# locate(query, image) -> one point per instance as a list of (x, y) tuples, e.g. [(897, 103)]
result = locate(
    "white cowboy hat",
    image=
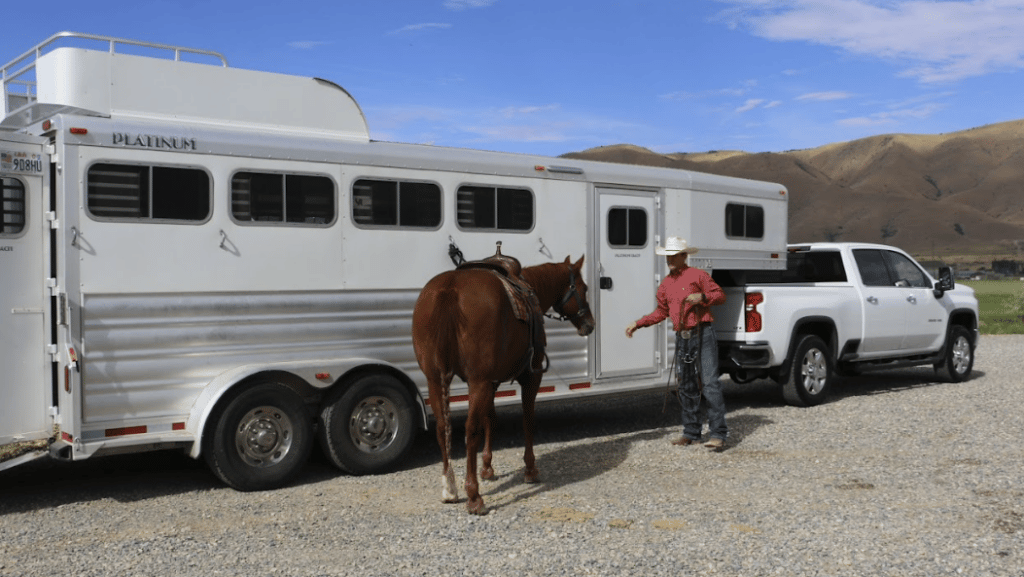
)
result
[(675, 245)]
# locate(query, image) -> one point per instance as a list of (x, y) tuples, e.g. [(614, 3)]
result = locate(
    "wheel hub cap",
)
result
[(373, 424), (264, 436)]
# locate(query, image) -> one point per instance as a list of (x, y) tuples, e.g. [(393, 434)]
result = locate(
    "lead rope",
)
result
[(668, 386)]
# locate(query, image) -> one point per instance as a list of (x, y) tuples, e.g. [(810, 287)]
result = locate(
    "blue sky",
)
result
[(550, 77)]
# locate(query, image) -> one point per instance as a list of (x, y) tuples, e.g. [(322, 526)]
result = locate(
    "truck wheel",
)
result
[(369, 427), (260, 439), (959, 355), (810, 373)]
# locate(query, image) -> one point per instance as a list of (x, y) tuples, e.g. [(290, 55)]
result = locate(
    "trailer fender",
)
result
[(318, 375)]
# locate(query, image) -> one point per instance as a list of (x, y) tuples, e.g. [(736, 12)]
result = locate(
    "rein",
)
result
[(571, 293)]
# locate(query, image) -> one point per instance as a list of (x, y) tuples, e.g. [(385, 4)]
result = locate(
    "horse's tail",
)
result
[(445, 320), (436, 323)]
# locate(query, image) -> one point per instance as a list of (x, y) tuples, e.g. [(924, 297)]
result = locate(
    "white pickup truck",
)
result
[(846, 308)]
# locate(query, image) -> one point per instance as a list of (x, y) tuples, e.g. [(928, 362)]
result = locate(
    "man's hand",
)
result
[(631, 329), (694, 298)]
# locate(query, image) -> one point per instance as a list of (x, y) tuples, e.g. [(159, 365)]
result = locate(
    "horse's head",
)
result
[(574, 306)]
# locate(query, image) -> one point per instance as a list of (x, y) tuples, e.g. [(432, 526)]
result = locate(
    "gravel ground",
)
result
[(897, 475)]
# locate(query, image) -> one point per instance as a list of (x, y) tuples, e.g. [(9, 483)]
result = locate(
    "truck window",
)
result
[(495, 208), (906, 272), (12, 207), (393, 203), (130, 192), (889, 268), (801, 267), (627, 227), (744, 221), (285, 198), (871, 265)]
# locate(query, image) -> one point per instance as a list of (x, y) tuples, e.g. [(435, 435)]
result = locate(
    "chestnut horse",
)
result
[(464, 325)]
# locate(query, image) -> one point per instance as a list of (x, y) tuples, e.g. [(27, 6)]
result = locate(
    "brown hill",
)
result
[(951, 194)]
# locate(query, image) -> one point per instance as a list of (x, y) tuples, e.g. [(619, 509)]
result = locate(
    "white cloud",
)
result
[(893, 116), (749, 105), (824, 96), (932, 40), (512, 111), (745, 87), (425, 26), (464, 4), (773, 104)]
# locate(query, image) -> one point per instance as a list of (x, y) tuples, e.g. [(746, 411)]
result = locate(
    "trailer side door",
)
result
[(25, 382), (627, 283)]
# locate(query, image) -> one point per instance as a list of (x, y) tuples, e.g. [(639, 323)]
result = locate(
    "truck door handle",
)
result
[(605, 282), (873, 300), (912, 300)]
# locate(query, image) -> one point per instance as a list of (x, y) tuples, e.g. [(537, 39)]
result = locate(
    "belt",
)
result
[(690, 333)]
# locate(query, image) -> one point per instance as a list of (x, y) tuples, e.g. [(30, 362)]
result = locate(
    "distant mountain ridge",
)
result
[(947, 194)]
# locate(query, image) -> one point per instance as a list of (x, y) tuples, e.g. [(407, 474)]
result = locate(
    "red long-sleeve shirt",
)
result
[(671, 297)]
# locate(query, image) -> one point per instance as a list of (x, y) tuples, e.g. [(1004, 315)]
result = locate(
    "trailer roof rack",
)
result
[(101, 76), (20, 87)]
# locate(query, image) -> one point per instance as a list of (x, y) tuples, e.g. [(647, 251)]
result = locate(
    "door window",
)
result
[(627, 227), (906, 272), (872, 267)]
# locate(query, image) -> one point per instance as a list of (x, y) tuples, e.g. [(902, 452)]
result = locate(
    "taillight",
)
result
[(751, 316)]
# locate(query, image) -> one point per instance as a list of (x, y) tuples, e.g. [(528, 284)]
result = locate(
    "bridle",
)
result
[(570, 293)]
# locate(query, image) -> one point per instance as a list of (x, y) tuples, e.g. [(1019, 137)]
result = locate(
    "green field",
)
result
[(1001, 306)]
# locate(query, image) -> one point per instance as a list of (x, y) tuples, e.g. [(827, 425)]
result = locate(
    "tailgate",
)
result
[(728, 316)]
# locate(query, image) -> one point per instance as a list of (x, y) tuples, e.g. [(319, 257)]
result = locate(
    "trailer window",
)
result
[(744, 221), (495, 208), (12, 207), (128, 192), (627, 227), (288, 198), (396, 203)]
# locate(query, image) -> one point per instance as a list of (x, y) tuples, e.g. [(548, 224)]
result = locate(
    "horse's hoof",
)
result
[(476, 507), (487, 474), (532, 476)]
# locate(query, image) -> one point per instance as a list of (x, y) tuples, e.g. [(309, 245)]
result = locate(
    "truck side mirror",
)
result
[(945, 282)]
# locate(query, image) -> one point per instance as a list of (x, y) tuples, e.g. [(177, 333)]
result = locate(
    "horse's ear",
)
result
[(567, 261), (579, 263)]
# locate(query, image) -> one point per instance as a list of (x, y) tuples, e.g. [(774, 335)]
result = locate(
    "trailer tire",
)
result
[(959, 358), (260, 439), (809, 377), (368, 426)]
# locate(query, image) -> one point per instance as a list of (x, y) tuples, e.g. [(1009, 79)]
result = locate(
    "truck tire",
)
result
[(959, 360), (260, 439), (809, 377), (369, 427)]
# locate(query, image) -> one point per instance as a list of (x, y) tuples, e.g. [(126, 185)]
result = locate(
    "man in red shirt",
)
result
[(685, 296)]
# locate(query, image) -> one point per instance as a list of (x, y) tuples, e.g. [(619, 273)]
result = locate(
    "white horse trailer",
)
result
[(202, 257)]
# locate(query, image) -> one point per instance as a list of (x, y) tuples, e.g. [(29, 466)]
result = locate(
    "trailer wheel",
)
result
[(959, 358), (260, 439), (369, 427), (810, 373)]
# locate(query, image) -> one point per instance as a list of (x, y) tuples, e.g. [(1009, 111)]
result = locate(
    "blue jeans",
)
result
[(690, 393)]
